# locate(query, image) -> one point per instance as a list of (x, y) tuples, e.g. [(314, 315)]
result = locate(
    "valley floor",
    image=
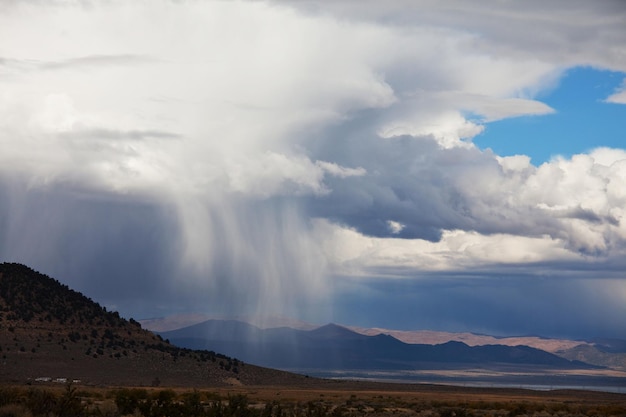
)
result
[(322, 398), (606, 380)]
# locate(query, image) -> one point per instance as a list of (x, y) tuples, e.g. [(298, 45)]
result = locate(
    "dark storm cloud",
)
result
[(428, 189), (126, 253), (499, 305), (273, 156), (121, 247), (400, 185), (587, 215)]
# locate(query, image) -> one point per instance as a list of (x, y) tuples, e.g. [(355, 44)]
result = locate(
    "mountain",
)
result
[(430, 337), (178, 321), (334, 347), (610, 345), (48, 332), (609, 353)]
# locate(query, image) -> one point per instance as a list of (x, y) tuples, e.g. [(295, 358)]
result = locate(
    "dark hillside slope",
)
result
[(48, 330)]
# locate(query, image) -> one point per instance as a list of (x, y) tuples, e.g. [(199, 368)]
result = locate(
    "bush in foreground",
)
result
[(139, 402)]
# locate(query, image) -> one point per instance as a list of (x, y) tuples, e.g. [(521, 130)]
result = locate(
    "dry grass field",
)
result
[(319, 398), (370, 397)]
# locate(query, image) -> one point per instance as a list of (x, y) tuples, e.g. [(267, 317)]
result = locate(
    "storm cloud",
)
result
[(304, 158)]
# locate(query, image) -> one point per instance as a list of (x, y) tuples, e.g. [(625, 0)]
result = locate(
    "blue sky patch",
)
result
[(582, 120)]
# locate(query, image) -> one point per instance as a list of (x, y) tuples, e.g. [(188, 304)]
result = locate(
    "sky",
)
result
[(403, 164)]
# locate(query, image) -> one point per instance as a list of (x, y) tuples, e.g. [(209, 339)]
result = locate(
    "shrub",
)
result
[(9, 395), (129, 400), (14, 410), (40, 402)]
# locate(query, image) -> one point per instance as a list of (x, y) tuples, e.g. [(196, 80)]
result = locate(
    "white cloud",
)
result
[(245, 120), (233, 80), (449, 128), (394, 227), (339, 171), (619, 96), (275, 174), (511, 212), (238, 82), (458, 251)]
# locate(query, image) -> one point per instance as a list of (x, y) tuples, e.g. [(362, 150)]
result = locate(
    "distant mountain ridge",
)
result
[(472, 339), (426, 337), (336, 347), (178, 321), (601, 352), (609, 353)]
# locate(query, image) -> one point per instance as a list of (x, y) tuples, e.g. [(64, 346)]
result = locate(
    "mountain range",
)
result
[(334, 347), (51, 332), (609, 353)]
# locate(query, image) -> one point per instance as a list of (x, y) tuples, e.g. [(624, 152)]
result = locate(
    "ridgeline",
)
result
[(49, 332)]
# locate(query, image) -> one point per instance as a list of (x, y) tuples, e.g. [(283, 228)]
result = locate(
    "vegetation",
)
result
[(69, 402), (49, 330), (46, 299)]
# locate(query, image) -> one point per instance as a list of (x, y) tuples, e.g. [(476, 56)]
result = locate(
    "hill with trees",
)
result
[(49, 332)]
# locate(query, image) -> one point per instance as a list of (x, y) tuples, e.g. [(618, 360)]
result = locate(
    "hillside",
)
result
[(334, 347), (48, 331), (597, 354)]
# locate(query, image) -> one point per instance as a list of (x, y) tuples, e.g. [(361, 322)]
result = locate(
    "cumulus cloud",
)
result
[(262, 148), (570, 205)]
